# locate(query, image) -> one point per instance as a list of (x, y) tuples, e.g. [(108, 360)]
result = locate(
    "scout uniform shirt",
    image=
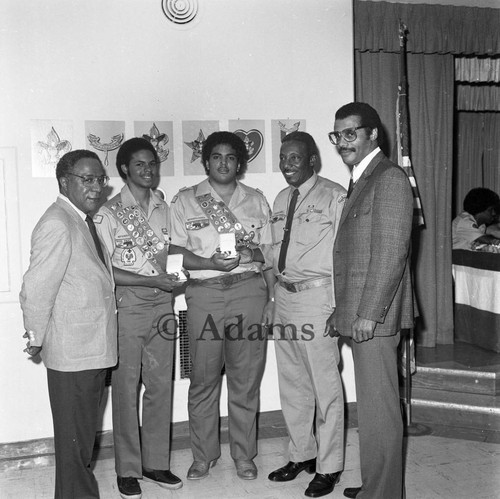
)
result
[(143, 239), (192, 229), (315, 221)]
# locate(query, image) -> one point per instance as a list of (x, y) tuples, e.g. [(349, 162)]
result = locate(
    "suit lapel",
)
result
[(82, 227), (360, 185)]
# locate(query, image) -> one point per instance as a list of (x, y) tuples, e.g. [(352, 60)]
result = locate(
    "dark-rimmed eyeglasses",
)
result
[(90, 180), (349, 135)]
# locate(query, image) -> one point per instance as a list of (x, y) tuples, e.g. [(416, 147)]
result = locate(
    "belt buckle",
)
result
[(226, 280), (289, 286)]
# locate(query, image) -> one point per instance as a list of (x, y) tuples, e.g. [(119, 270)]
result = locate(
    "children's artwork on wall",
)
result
[(50, 140), (194, 134), (160, 134), (104, 138), (252, 134), (279, 129)]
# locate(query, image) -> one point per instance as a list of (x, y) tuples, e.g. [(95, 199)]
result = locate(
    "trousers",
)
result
[(146, 341), (225, 331), (310, 386)]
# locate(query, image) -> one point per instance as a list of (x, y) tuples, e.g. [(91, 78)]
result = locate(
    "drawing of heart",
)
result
[(253, 140)]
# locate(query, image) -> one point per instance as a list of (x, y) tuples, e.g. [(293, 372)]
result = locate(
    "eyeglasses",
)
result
[(349, 134), (90, 180)]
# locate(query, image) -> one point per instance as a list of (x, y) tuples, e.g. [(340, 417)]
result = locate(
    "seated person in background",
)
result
[(494, 228), (480, 211)]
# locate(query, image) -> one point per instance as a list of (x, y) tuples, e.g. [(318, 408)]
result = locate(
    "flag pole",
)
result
[(403, 139)]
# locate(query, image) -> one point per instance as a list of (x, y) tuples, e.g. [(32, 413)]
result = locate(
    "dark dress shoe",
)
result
[(322, 484), (291, 470), (352, 492), (163, 478)]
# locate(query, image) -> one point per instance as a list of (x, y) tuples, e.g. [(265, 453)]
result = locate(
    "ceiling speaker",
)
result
[(180, 12)]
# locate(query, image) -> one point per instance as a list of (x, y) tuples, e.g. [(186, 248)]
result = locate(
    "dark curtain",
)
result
[(436, 32)]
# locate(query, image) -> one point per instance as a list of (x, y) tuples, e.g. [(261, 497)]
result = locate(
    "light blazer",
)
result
[(372, 251), (67, 296)]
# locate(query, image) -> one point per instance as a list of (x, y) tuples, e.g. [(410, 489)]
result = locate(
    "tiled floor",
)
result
[(436, 467), (444, 463)]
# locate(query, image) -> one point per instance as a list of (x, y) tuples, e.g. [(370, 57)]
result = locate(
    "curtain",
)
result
[(436, 34), (430, 93), (478, 154), (433, 29)]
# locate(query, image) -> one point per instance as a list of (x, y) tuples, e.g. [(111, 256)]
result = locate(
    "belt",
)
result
[(295, 287), (225, 281)]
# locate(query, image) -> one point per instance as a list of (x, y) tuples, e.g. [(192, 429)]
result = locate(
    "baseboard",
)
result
[(34, 453)]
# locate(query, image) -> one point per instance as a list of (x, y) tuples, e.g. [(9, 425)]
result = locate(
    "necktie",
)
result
[(288, 228), (97, 243), (349, 189)]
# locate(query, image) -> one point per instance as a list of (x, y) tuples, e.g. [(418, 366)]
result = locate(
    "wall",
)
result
[(122, 60)]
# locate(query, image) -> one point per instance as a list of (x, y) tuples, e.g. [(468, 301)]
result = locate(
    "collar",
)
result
[(307, 185), (358, 169), (82, 215), (128, 198), (205, 188)]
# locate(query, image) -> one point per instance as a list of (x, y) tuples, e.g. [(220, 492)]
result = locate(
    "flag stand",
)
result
[(410, 428)]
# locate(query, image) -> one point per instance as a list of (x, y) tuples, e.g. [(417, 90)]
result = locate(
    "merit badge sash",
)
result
[(138, 228), (223, 220)]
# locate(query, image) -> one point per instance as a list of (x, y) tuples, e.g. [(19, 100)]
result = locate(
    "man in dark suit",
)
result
[(373, 292), (69, 310)]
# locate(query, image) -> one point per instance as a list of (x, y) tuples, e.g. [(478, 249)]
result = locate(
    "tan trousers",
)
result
[(146, 342), (311, 393), (223, 327)]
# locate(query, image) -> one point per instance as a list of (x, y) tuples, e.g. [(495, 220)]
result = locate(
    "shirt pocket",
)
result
[(311, 227)]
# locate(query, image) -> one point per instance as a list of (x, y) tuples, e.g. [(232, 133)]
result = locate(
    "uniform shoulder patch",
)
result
[(97, 219)]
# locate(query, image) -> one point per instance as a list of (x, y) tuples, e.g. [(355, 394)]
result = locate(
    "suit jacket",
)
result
[(372, 251), (67, 296)]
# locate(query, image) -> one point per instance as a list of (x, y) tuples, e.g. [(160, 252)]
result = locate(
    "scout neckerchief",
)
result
[(138, 228), (223, 220)]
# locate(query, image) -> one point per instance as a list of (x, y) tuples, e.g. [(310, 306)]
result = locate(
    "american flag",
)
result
[(403, 132)]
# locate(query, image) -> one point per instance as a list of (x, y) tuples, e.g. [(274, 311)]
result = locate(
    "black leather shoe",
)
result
[(129, 487), (322, 484), (291, 470), (352, 492), (163, 478)]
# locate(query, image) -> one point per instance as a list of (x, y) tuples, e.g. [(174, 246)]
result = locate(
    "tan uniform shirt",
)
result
[(314, 226), (124, 247), (191, 228)]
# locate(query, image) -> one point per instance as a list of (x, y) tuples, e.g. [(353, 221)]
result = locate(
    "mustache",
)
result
[(346, 149)]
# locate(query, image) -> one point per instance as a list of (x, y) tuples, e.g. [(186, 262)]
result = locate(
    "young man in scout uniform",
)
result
[(134, 228), (225, 298)]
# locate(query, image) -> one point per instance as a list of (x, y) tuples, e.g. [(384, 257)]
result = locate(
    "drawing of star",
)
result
[(196, 146)]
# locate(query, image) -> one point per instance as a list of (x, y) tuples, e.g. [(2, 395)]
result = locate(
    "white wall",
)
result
[(122, 60)]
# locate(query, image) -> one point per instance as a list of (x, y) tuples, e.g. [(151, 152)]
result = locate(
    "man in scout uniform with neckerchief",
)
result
[(225, 298), (134, 228)]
